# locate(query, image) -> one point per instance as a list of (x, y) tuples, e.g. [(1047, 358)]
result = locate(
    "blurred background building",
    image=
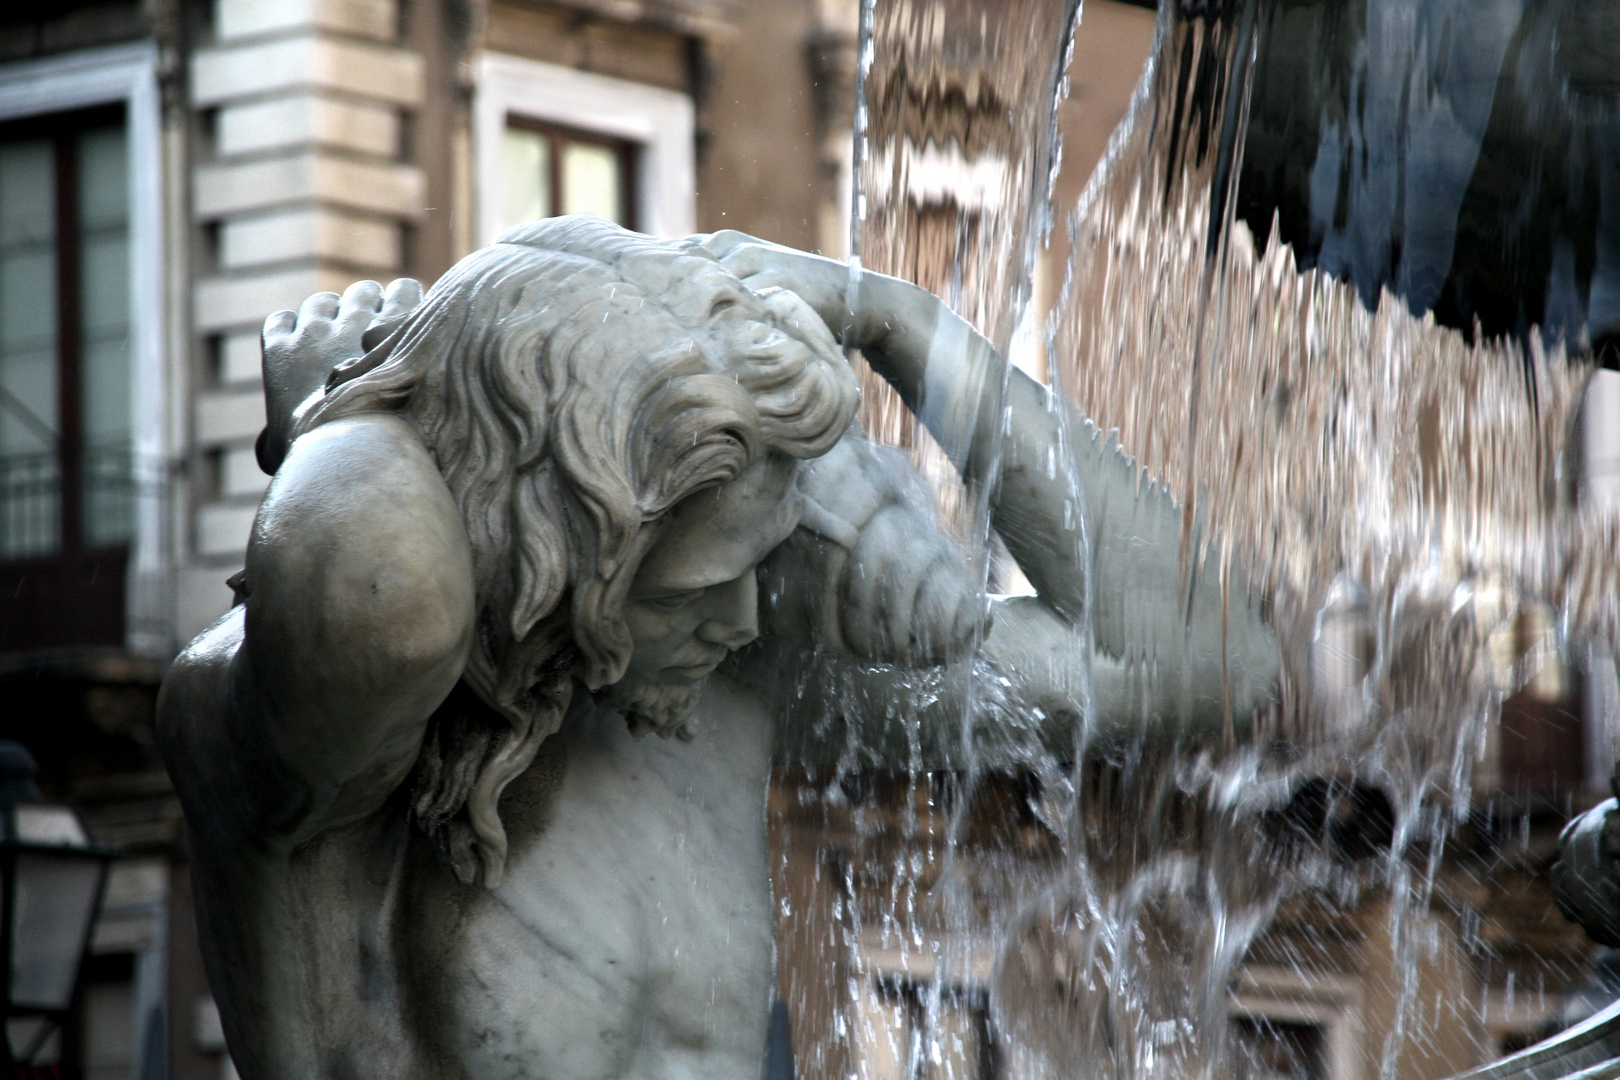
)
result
[(171, 171)]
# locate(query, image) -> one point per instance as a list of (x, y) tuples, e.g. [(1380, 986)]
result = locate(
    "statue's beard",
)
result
[(648, 706)]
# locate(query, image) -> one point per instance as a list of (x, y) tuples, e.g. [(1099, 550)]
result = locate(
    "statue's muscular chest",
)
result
[(631, 936)]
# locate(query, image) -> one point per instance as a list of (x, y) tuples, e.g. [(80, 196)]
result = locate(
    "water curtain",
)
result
[(1366, 438)]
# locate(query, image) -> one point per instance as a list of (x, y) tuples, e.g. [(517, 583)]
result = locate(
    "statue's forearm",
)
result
[(1063, 495), (950, 376), (1052, 457), (1181, 625), (1036, 691)]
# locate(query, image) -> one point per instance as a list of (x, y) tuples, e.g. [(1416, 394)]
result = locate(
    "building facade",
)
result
[(171, 171)]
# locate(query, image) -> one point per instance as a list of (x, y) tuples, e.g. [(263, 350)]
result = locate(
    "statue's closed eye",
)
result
[(673, 602)]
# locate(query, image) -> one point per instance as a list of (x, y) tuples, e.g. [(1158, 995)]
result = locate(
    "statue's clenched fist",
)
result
[(302, 348)]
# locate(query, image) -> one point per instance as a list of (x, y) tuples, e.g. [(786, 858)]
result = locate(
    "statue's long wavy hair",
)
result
[(575, 381)]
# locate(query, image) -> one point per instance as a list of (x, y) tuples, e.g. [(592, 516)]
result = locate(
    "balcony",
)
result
[(63, 561)]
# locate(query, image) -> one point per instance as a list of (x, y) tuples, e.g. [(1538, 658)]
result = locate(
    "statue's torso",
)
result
[(631, 937), (632, 934)]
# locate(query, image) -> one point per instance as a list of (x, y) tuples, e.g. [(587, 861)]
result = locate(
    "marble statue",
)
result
[(519, 524)]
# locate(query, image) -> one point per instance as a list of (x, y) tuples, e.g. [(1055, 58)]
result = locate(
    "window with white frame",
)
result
[(1285, 1025), (549, 170), (921, 1031), (553, 140), (64, 334), (1268, 1048), (83, 432)]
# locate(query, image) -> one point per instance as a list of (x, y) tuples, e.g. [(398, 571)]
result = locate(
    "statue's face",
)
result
[(695, 597)]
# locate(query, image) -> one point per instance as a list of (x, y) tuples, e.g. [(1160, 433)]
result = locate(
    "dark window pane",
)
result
[(66, 379), (29, 511), (1269, 1049), (104, 336)]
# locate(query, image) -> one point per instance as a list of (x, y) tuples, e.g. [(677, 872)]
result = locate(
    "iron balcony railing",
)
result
[(31, 507)]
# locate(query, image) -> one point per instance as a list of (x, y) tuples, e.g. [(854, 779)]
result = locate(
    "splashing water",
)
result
[(1392, 494)]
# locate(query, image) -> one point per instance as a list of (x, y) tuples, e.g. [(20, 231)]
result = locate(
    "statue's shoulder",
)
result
[(353, 496), (349, 470)]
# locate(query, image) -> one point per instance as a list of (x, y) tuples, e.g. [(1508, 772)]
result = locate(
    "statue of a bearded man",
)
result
[(514, 527)]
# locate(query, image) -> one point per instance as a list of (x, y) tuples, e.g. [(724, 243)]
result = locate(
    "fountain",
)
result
[(1264, 546)]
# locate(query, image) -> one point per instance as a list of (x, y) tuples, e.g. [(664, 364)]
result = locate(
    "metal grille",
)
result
[(31, 501)]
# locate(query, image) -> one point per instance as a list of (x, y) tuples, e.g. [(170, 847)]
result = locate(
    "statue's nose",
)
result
[(733, 613)]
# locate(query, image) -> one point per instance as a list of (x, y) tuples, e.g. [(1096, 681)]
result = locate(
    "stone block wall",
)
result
[(300, 183)]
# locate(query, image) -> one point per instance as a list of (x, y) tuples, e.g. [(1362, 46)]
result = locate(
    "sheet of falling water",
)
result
[(1395, 498)]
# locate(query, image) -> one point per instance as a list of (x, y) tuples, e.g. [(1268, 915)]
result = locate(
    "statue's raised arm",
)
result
[(1170, 651), (357, 607)]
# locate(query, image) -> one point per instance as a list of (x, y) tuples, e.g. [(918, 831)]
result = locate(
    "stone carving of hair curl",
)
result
[(574, 382)]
